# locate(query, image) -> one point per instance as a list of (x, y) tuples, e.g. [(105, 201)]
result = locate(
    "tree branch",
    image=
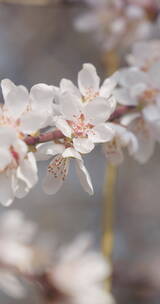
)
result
[(57, 134), (45, 137)]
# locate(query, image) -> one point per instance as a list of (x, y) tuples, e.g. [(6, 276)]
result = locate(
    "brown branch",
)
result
[(120, 111), (45, 137), (57, 134)]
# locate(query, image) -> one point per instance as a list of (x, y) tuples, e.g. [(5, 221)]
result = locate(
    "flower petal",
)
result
[(101, 133), (83, 145), (7, 85), (8, 136), (6, 191), (71, 152), (98, 110), (123, 97), (56, 174), (11, 285), (32, 121), (107, 87), (71, 106), (5, 158), (129, 77), (42, 96), (63, 126), (145, 149), (84, 177), (16, 101), (67, 85), (48, 149), (27, 171), (88, 80)]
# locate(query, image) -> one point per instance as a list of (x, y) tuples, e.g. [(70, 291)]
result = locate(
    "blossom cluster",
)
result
[(72, 274), (119, 23), (65, 123)]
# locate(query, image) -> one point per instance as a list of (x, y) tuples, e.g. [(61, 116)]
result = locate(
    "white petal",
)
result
[(6, 191), (67, 85), (7, 85), (145, 149), (123, 97), (71, 152), (128, 118), (8, 136), (21, 148), (133, 144), (98, 110), (108, 86), (56, 174), (83, 145), (88, 80), (16, 101), (84, 177), (27, 171), (71, 106), (63, 126), (21, 189), (11, 285), (132, 76), (101, 133), (42, 96), (31, 122), (151, 113), (5, 158), (48, 149)]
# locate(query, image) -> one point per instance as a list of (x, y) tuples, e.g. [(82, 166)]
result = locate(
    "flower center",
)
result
[(90, 95), (80, 127)]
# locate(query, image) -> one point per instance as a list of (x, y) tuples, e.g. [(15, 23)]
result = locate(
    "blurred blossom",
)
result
[(116, 23), (144, 54), (79, 273), (16, 235), (122, 139), (141, 90), (75, 274)]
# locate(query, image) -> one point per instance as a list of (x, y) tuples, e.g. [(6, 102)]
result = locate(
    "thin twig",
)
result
[(57, 134), (45, 137)]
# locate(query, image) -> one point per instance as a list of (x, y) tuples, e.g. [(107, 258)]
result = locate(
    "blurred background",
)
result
[(38, 43)]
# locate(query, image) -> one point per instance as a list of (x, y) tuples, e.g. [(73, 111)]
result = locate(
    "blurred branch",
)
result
[(41, 2), (108, 210)]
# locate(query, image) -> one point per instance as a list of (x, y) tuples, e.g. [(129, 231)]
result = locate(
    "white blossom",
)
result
[(18, 170), (145, 54), (83, 113), (89, 85), (79, 272), (141, 90), (27, 112), (58, 168), (122, 139)]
